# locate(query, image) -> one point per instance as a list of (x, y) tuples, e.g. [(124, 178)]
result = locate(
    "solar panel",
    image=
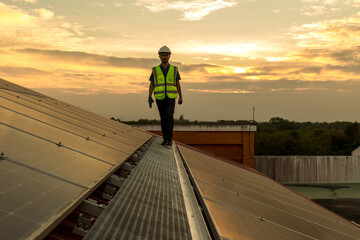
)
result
[(16, 88), (116, 133), (49, 132), (29, 198), (44, 155), (73, 125), (52, 155), (244, 204), (83, 115)]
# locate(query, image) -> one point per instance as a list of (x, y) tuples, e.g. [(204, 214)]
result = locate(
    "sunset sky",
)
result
[(295, 59)]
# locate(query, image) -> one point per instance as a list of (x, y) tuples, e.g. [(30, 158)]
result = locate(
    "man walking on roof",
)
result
[(165, 83)]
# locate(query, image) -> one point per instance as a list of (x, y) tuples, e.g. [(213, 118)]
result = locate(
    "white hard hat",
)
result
[(164, 49)]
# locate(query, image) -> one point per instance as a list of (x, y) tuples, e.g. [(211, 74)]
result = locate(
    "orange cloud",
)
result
[(37, 28), (233, 91)]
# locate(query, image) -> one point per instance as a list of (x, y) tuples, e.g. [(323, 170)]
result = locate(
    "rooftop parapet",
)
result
[(205, 128)]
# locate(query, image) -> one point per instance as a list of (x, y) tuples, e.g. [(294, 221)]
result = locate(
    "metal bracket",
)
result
[(139, 153), (91, 207), (83, 224), (115, 180), (109, 192), (134, 159), (126, 169)]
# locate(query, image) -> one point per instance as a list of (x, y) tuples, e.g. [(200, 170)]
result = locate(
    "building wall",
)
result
[(238, 146), (310, 169), (232, 142)]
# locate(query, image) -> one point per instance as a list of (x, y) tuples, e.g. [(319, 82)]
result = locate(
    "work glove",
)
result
[(150, 100)]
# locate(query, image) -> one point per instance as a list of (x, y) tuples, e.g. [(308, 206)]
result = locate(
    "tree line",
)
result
[(280, 136), (283, 137)]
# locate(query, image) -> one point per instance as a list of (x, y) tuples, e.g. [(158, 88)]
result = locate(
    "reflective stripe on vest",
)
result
[(165, 86)]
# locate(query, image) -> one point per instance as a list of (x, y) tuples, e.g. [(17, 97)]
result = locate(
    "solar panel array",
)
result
[(52, 156), (242, 204)]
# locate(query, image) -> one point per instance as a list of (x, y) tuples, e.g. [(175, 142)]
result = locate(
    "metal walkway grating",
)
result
[(150, 203)]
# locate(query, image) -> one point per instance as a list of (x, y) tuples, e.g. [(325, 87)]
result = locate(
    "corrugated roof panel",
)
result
[(262, 208)]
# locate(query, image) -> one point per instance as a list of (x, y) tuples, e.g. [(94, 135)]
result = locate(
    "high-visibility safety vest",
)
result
[(165, 86)]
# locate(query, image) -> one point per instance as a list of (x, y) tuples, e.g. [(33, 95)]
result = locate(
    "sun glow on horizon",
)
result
[(48, 47), (242, 49)]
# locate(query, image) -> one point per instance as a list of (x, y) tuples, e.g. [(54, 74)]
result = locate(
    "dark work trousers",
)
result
[(166, 109)]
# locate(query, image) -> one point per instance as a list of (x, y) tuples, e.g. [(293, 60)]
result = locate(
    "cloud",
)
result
[(192, 10), (26, 1), (97, 4), (260, 70), (13, 17), (349, 68), (316, 70), (197, 67), (89, 59), (347, 55), (223, 90), (22, 72), (321, 7), (272, 86), (44, 13), (38, 28), (328, 48), (232, 48), (338, 33), (342, 56), (314, 10)]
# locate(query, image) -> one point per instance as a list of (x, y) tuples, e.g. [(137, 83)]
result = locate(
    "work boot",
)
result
[(164, 143), (169, 143)]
